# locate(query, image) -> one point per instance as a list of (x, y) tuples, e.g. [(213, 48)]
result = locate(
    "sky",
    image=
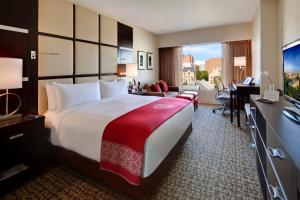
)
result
[(292, 59), (204, 51)]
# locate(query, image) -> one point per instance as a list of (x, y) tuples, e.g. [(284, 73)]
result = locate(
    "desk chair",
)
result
[(222, 95)]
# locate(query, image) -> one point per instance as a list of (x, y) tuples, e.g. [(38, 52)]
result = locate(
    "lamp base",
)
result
[(8, 117), (12, 114)]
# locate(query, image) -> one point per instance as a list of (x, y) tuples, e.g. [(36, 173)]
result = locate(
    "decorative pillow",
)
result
[(164, 86), (69, 95), (155, 87), (113, 88), (50, 90)]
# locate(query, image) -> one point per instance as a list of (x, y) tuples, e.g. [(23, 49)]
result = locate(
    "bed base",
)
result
[(91, 168)]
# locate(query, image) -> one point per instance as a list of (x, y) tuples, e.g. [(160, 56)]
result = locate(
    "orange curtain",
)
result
[(170, 63), (236, 49)]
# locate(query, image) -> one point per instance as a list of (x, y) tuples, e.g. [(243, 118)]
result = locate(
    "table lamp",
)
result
[(131, 72), (240, 62), (10, 78), (121, 70)]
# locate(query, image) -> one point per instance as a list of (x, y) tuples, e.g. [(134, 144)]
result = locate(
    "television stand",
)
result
[(293, 113), (297, 105), (277, 142)]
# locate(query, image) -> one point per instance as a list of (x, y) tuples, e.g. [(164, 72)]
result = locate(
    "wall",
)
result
[(233, 32), (146, 41), (275, 24), (265, 43), (289, 28), (269, 41), (256, 46)]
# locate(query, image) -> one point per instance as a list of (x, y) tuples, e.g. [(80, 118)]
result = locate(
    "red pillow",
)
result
[(155, 87), (163, 85)]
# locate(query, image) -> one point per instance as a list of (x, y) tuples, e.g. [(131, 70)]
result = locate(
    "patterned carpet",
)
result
[(215, 163)]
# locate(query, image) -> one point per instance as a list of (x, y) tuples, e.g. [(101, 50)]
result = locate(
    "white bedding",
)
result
[(80, 128)]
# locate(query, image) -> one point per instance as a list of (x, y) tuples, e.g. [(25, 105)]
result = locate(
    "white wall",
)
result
[(289, 28), (146, 41), (269, 42), (242, 31), (265, 43), (275, 24), (256, 46)]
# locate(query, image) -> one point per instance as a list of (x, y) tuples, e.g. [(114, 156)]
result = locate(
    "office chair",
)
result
[(222, 95)]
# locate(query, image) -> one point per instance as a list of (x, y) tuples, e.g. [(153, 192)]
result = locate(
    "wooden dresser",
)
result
[(276, 140)]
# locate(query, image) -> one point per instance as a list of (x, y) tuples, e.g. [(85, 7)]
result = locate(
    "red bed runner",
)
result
[(123, 140)]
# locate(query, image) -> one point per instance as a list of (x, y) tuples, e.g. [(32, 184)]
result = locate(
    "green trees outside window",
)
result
[(200, 75)]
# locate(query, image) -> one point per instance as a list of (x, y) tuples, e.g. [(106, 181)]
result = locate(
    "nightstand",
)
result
[(23, 146)]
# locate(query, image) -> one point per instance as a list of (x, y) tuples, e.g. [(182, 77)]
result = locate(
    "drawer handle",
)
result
[(275, 153), (276, 192), (252, 126), (16, 136)]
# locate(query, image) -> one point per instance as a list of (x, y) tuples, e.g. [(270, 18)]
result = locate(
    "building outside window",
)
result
[(201, 63)]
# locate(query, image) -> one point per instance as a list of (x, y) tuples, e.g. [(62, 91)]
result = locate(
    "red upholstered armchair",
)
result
[(161, 89)]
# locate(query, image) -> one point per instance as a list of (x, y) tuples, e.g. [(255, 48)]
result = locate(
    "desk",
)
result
[(241, 92)]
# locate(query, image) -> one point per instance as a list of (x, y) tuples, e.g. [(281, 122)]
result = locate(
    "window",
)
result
[(201, 63)]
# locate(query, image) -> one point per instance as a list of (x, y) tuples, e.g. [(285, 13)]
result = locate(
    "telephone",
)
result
[(248, 80)]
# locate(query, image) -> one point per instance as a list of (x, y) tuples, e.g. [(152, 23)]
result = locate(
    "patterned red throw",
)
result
[(123, 140)]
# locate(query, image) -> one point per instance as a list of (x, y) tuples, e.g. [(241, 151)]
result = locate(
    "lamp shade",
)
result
[(265, 73), (240, 61), (121, 70), (131, 70), (11, 73)]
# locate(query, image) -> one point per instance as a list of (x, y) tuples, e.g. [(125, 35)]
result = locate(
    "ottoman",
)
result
[(189, 97), (196, 98)]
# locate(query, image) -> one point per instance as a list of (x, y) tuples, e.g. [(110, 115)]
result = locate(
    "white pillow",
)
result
[(50, 90), (69, 95), (113, 88)]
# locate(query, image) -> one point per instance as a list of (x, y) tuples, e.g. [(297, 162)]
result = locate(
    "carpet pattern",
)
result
[(215, 163)]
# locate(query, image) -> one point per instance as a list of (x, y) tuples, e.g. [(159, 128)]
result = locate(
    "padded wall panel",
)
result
[(87, 24), (108, 59), (56, 17), (87, 58), (109, 31), (55, 56), (43, 102), (108, 78), (86, 79)]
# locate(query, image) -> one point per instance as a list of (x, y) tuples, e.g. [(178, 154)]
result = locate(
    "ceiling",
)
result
[(167, 16)]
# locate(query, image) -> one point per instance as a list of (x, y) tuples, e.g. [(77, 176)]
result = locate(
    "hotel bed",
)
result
[(76, 134), (80, 128)]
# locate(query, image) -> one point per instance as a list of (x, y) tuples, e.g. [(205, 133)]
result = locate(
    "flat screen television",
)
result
[(291, 72)]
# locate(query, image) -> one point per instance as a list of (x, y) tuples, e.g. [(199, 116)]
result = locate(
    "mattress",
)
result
[(80, 128)]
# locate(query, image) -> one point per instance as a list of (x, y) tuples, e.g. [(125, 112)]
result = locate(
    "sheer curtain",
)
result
[(235, 49), (170, 64)]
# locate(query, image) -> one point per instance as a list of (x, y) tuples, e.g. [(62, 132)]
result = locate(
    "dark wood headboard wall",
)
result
[(125, 36), (20, 45), (20, 18)]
